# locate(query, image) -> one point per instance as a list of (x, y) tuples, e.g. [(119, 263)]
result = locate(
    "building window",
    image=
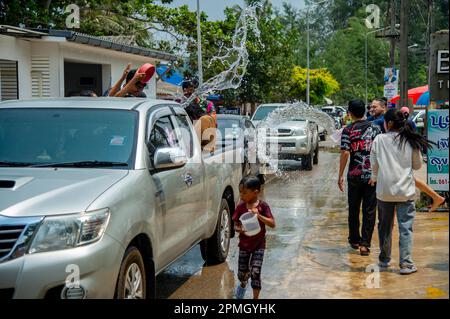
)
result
[(9, 86)]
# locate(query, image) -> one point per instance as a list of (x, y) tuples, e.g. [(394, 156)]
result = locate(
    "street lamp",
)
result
[(308, 81), (199, 46), (365, 55)]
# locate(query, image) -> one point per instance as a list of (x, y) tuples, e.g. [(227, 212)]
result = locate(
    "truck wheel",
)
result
[(132, 282), (316, 156), (323, 137), (215, 249), (307, 162)]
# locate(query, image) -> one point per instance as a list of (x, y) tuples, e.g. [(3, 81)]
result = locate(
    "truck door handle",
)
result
[(188, 179)]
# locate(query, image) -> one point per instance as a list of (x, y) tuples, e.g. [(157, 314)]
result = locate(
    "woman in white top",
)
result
[(394, 156)]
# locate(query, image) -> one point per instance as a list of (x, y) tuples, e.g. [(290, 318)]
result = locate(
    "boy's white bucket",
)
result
[(250, 224)]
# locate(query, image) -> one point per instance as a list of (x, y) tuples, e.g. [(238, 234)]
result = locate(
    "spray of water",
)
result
[(234, 59), (269, 153)]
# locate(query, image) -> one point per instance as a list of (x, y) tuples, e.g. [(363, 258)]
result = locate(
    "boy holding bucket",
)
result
[(252, 242)]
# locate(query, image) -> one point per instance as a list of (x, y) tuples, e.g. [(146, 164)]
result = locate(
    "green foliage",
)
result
[(322, 84), (344, 56)]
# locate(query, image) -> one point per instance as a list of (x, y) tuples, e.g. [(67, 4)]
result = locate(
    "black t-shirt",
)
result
[(357, 138)]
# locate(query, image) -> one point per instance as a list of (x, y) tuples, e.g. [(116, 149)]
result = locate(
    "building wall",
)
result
[(18, 50), (113, 62)]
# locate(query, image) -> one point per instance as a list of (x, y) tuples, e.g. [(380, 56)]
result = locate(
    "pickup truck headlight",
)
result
[(70, 231), (301, 131)]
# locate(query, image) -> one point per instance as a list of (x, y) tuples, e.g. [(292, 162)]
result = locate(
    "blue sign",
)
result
[(438, 124)]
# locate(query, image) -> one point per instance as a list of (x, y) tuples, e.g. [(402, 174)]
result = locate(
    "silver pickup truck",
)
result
[(97, 196), (295, 139)]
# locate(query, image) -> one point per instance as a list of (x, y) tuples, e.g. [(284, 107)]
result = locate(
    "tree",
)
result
[(344, 57), (323, 84)]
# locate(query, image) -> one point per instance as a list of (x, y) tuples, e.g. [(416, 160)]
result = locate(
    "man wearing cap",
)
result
[(405, 111)]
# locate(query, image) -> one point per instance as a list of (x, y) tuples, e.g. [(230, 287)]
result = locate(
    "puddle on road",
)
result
[(435, 293)]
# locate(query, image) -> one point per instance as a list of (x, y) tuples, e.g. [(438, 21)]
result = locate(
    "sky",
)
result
[(214, 8)]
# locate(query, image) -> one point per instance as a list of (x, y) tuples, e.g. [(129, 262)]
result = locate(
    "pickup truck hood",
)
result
[(49, 191), (292, 124)]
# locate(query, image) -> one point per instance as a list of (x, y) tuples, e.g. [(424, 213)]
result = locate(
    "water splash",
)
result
[(235, 58), (269, 153), (299, 110)]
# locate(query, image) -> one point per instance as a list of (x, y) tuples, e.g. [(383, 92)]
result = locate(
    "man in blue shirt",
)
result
[(379, 108)]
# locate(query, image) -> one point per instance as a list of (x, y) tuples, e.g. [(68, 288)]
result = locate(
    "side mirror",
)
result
[(170, 157)]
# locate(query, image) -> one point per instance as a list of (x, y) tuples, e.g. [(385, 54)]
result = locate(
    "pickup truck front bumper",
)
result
[(94, 268)]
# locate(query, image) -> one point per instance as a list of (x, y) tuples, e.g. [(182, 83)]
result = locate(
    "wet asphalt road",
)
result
[(307, 254)]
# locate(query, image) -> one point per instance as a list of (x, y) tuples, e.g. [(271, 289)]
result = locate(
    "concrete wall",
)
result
[(113, 62), (18, 50)]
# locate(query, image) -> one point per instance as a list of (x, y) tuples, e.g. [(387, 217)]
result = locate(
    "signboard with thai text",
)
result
[(438, 123)]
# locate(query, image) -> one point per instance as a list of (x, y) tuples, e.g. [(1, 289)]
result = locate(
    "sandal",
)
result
[(364, 251)]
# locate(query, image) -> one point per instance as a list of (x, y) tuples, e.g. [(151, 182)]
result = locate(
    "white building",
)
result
[(59, 63)]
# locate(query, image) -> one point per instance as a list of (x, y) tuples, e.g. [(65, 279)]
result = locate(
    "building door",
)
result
[(80, 77)]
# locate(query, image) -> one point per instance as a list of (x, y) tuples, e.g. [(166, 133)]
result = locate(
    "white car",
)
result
[(418, 117)]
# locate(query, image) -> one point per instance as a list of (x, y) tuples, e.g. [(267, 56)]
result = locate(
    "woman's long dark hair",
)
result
[(407, 134)]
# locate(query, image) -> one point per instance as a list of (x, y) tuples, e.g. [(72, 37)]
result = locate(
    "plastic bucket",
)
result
[(250, 224)]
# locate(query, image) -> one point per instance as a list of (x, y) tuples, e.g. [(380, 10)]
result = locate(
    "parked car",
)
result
[(239, 132), (337, 113), (419, 117), (322, 133), (108, 190), (297, 138)]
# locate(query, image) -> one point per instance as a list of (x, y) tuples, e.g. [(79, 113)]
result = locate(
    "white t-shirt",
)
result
[(392, 168)]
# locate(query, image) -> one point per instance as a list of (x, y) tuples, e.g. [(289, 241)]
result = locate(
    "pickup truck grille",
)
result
[(8, 238), (283, 131), (287, 144)]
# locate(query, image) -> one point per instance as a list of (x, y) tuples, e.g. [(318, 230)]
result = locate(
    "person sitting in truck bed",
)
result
[(204, 124)]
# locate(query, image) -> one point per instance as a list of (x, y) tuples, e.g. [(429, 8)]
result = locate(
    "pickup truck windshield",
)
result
[(263, 112), (229, 128), (44, 137)]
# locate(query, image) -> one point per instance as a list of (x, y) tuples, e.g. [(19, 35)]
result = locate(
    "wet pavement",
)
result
[(307, 254)]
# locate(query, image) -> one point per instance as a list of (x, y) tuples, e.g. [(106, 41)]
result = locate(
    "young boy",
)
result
[(251, 249)]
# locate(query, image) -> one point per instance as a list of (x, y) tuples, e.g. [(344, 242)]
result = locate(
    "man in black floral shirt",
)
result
[(356, 143)]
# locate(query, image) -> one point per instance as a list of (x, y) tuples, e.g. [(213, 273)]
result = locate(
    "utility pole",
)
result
[(392, 32), (429, 31), (404, 15), (199, 45), (308, 81)]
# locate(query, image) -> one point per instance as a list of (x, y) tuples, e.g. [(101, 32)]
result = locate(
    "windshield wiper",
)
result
[(83, 164), (14, 164)]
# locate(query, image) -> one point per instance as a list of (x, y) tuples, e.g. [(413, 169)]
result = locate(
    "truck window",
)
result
[(163, 134), (186, 140)]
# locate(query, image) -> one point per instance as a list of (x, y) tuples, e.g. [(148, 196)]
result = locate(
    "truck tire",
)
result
[(323, 137), (132, 282), (215, 249), (307, 162), (316, 156)]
